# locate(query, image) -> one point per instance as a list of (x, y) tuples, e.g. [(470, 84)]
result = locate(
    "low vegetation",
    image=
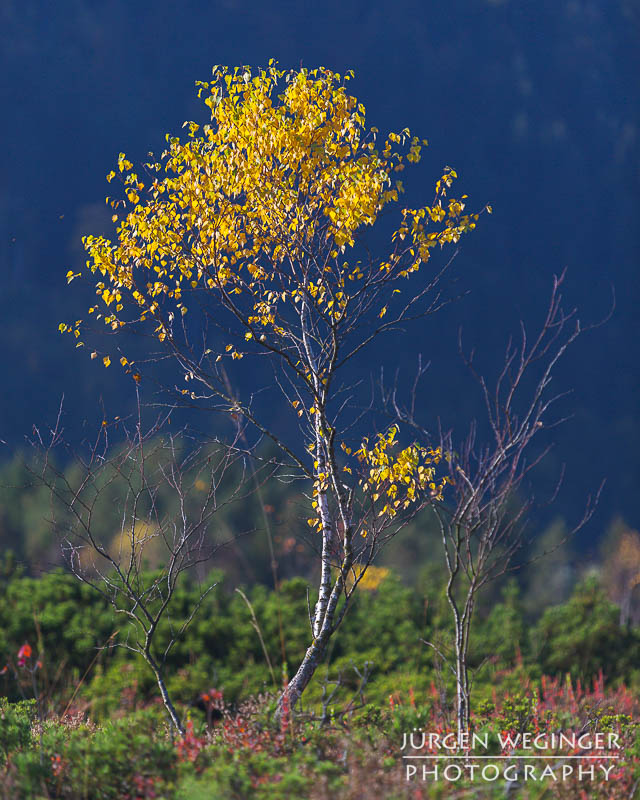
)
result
[(81, 717)]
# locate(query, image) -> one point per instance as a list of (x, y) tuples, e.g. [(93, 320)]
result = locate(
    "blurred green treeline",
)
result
[(559, 614)]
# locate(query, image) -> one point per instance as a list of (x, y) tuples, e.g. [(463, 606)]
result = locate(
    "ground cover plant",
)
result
[(100, 731)]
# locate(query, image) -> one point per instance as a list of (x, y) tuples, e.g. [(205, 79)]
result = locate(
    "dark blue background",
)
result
[(535, 104)]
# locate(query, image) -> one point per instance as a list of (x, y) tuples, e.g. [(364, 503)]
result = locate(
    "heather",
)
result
[(81, 718)]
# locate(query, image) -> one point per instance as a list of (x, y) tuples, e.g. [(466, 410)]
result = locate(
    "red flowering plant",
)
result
[(213, 700), (24, 671), (24, 654)]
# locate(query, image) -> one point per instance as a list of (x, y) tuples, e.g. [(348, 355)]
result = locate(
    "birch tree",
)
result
[(243, 244), (162, 493), (483, 520)]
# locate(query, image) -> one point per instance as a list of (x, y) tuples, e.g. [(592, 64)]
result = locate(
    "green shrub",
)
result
[(16, 720), (583, 636), (114, 762)]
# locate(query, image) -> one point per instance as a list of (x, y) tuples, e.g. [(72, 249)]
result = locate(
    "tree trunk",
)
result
[(304, 673), (324, 592), (462, 627), (315, 652), (173, 714), (462, 687)]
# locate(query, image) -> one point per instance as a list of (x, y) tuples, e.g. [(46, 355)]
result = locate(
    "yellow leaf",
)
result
[(106, 361)]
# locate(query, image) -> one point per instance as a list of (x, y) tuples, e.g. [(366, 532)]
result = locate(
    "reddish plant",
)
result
[(189, 746), (24, 654)]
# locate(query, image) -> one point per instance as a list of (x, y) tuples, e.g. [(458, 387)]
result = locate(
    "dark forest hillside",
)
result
[(536, 107)]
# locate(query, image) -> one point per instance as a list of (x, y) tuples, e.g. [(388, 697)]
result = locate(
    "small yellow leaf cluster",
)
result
[(397, 478), (416, 220), (320, 488), (74, 329)]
